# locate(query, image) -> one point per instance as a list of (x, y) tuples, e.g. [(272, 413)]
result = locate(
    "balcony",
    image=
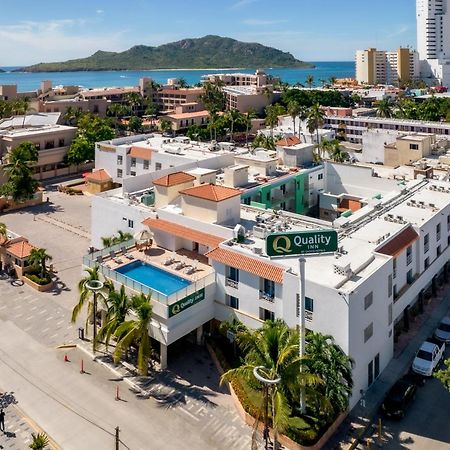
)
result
[(408, 259), (309, 316), (232, 283), (267, 296)]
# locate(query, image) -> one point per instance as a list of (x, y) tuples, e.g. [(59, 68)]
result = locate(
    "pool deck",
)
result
[(156, 256)]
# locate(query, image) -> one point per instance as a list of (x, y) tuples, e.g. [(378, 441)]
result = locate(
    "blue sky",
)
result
[(313, 30)]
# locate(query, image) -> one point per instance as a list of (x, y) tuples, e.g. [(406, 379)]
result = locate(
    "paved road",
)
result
[(80, 411)]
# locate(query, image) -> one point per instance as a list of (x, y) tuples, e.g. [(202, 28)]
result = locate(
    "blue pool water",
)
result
[(154, 278)]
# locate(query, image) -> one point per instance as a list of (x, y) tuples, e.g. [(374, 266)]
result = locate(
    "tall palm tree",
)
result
[(302, 116), (272, 113), (384, 108), (233, 116), (332, 80), (40, 441), (275, 347), (122, 236), (135, 100), (38, 258), (251, 114), (337, 154), (119, 306), (327, 360), (315, 120), (293, 109), (135, 331), (309, 81)]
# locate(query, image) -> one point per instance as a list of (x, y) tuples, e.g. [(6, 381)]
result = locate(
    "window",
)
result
[(368, 300), (377, 365), (426, 243), (130, 223), (232, 302), (38, 146), (146, 164), (368, 332), (265, 314), (448, 222), (133, 173), (309, 304), (370, 373), (438, 232), (233, 273), (394, 262), (427, 263), (267, 291), (390, 314), (61, 142), (409, 277), (320, 176), (133, 162), (119, 173), (414, 146), (409, 255), (389, 285), (158, 166), (119, 159), (438, 250)]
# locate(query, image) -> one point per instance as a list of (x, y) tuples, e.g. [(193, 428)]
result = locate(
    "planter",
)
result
[(38, 287)]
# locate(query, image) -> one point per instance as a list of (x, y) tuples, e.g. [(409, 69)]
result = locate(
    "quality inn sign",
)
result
[(186, 302), (301, 243)]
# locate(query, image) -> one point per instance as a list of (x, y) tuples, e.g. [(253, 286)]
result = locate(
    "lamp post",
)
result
[(260, 373), (94, 286), (302, 262)]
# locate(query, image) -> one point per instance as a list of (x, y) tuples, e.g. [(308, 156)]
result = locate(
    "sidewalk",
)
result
[(361, 416)]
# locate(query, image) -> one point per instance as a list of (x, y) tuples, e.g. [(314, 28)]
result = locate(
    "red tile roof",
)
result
[(100, 176), (288, 141), (211, 192), (248, 264), (174, 179), (184, 232), (399, 242), (142, 153), (21, 249), (188, 115)]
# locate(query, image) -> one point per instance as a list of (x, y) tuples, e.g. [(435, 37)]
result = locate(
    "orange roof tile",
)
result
[(211, 192), (100, 176), (174, 179), (139, 152), (288, 141), (186, 233), (255, 266), (21, 249), (399, 242), (188, 115)]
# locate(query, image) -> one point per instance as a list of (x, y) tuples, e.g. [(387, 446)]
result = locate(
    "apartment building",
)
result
[(52, 142), (380, 67), (393, 252), (258, 79), (433, 40), (188, 114)]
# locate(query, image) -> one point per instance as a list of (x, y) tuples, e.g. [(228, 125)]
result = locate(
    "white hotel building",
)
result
[(393, 247)]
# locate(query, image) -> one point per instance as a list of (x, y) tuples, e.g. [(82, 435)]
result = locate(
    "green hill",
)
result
[(203, 53)]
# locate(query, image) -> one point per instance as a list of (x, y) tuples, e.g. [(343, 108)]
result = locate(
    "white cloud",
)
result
[(54, 40), (100, 11), (262, 22), (242, 4)]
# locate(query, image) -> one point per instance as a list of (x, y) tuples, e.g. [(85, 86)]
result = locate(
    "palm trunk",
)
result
[(293, 120)]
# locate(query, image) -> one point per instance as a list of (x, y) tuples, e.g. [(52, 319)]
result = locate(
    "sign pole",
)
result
[(301, 264)]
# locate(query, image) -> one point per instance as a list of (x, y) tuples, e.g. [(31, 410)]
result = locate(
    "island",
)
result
[(208, 52)]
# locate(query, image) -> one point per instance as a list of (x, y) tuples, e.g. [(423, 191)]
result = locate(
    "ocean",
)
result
[(30, 81)]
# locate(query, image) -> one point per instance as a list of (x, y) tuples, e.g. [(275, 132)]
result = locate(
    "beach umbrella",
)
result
[(143, 236)]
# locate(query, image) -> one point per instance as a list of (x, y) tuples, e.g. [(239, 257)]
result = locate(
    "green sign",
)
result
[(186, 302), (301, 242)]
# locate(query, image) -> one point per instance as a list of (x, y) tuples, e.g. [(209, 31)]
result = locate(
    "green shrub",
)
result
[(37, 279)]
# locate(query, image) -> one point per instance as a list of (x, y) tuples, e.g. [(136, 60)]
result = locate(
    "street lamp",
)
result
[(94, 286), (260, 373)]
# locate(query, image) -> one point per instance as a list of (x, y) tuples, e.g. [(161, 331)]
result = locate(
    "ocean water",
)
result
[(31, 81)]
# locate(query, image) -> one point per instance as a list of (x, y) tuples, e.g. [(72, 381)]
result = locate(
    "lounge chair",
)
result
[(182, 263), (192, 268), (117, 260), (169, 259), (112, 254), (99, 259)]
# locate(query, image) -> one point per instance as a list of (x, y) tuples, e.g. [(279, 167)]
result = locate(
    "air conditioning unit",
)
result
[(257, 250), (345, 271), (260, 231)]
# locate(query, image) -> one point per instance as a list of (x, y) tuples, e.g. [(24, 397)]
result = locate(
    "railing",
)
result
[(426, 247), (309, 316), (408, 259), (267, 297), (232, 283)]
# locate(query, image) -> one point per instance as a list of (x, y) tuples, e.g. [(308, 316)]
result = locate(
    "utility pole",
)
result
[(301, 310), (117, 438)]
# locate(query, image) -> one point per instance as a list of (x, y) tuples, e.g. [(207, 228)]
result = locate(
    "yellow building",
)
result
[(408, 149)]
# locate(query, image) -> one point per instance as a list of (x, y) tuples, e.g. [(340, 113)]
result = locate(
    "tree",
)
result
[(119, 306), (309, 81), (293, 110), (135, 331), (251, 114), (384, 108), (19, 171), (72, 115), (337, 154), (134, 100), (40, 441), (183, 83), (275, 347), (272, 113), (135, 124), (213, 98), (443, 375), (165, 125), (38, 259), (327, 361), (262, 141), (332, 80), (3, 231), (315, 120), (233, 116)]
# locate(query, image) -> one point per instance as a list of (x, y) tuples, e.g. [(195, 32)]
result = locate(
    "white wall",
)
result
[(373, 142)]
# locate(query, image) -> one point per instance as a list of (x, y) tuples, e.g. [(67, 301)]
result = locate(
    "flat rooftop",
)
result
[(36, 131)]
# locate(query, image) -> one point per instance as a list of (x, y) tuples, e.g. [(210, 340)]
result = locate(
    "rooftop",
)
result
[(35, 130), (174, 179), (99, 176), (20, 249), (211, 192)]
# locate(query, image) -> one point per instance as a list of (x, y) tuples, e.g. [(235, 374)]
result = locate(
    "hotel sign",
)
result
[(186, 302), (301, 243)]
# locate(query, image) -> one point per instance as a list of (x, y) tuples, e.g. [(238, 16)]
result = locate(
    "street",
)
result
[(80, 410)]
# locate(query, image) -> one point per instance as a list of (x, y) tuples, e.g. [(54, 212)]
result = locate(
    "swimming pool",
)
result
[(156, 279)]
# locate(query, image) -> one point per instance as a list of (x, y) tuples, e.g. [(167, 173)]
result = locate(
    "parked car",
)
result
[(428, 357), (399, 398), (443, 330)]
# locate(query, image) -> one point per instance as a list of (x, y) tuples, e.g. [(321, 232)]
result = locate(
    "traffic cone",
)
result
[(66, 358)]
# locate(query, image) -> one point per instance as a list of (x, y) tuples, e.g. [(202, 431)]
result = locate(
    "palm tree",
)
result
[(135, 100), (276, 348), (135, 331), (85, 295), (40, 441), (165, 125), (38, 258), (302, 116), (183, 83), (272, 113), (384, 108), (233, 116), (123, 236), (251, 114), (337, 154), (107, 241), (327, 360), (119, 307), (333, 80), (315, 120), (309, 81), (293, 109)]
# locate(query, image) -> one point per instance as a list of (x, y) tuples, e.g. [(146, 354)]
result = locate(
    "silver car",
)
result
[(443, 330)]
